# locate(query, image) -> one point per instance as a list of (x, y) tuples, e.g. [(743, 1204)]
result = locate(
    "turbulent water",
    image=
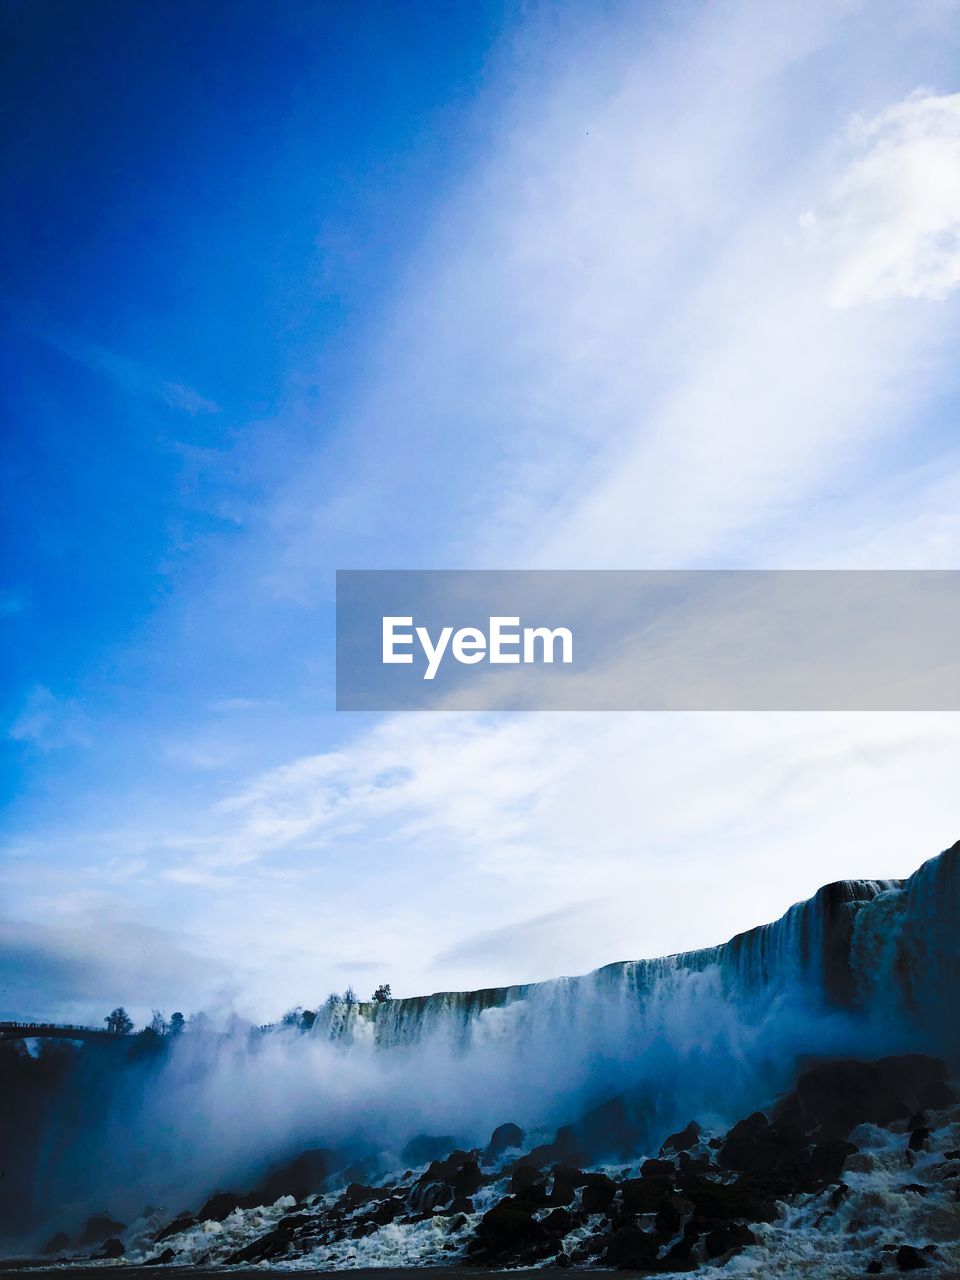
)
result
[(862, 968)]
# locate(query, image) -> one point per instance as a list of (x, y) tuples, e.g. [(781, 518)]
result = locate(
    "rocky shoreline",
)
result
[(855, 1171)]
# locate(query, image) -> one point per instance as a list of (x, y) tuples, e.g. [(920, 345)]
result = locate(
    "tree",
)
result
[(307, 1019), (333, 1001), (158, 1024), (383, 994), (119, 1022), (292, 1017), (350, 998), (176, 1025)]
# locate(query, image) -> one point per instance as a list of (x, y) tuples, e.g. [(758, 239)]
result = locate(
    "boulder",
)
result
[(645, 1195), (98, 1229), (726, 1237), (528, 1184), (272, 1245), (657, 1169), (684, 1140), (183, 1223), (220, 1205), (426, 1147), (112, 1248), (507, 1227), (566, 1183), (909, 1258), (833, 1098), (299, 1177), (598, 1193), (502, 1139), (161, 1259), (630, 1249), (58, 1243)]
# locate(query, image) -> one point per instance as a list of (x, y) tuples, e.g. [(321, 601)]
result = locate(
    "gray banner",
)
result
[(626, 640)]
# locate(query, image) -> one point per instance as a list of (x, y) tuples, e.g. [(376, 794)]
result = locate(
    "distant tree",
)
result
[(119, 1022), (176, 1024), (158, 1023), (350, 998), (383, 994), (292, 1017), (333, 1001)]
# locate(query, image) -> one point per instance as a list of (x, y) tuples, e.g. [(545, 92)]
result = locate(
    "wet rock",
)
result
[(430, 1197), (359, 1193), (113, 1248), (918, 1138), (874, 1267), (937, 1095), (528, 1184), (566, 1183), (598, 1193), (299, 1177), (99, 1228), (684, 1140), (608, 1130), (673, 1209), (559, 1222), (833, 1098), (725, 1201), (58, 1243), (826, 1160), (630, 1249), (507, 1227), (726, 1237), (657, 1169), (755, 1143), (502, 1139), (272, 1245), (468, 1179), (161, 1259), (426, 1147), (645, 1195), (219, 1206), (910, 1259), (183, 1223)]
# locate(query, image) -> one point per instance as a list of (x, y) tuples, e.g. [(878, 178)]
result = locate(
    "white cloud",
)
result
[(891, 224)]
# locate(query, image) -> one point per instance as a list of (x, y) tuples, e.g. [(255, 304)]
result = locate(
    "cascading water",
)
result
[(861, 969)]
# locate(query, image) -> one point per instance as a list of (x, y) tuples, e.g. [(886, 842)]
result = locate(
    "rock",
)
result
[(566, 1183), (502, 1139), (937, 1095), (826, 1160), (161, 1259), (426, 1147), (299, 1177), (358, 1193), (684, 1140), (630, 1249), (272, 1245), (58, 1243), (607, 1130), (728, 1201), (598, 1193), (673, 1209), (559, 1222), (429, 1197), (528, 1184), (910, 1259), (507, 1227), (645, 1195), (113, 1248), (657, 1169), (874, 1267), (183, 1223), (833, 1098), (219, 1206), (468, 1179), (755, 1144), (726, 1237), (99, 1228), (918, 1139)]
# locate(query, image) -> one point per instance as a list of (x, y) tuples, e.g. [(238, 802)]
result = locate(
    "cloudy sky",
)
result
[(306, 287)]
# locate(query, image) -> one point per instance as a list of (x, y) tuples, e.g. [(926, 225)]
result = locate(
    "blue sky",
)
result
[(303, 288)]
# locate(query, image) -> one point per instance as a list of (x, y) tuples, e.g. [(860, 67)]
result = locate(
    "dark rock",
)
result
[(657, 1169), (918, 1139), (183, 1223), (645, 1195), (161, 1259), (598, 1193), (528, 1184), (300, 1177), (430, 1197), (58, 1243), (728, 1201), (670, 1216), (503, 1138), (272, 1245), (610, 1129), (358, 1193), (874, 1267), (468, 1179), (507, 1227), (559, 1222), (755, 1144), (726, 1237), (219, 1206), (566, 1182), (113, 1248), (827, 1159), (684, 1140), (99, 1228), (937, 1095), (426, 1147), (910, 1259), (915, 1188), (630, 1249), (833, 1098)]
